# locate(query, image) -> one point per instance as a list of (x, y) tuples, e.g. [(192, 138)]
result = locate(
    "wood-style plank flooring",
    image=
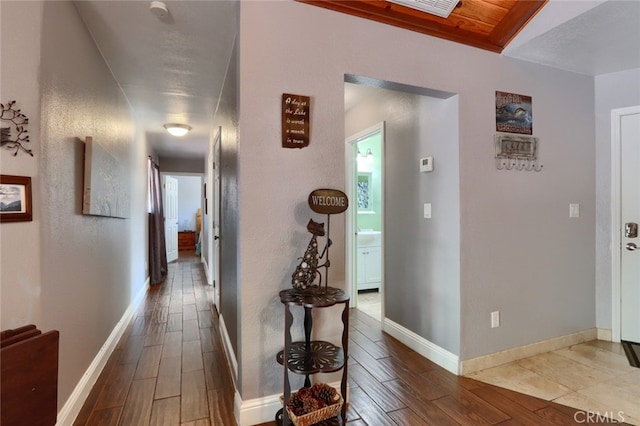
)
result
[(169, 369)]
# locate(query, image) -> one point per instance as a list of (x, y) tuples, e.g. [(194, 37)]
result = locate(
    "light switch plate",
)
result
[(574, 210), (427, 210)]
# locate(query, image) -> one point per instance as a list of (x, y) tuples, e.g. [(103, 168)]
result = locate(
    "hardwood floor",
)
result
[(169, 369)]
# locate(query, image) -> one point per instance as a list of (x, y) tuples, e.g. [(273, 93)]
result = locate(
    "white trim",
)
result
[(472, 365), (615, 225), (71, 408), (262, 410), (206, 270), (256, 411), (424, 347), (228, 351), (603, 334), (616, 242)]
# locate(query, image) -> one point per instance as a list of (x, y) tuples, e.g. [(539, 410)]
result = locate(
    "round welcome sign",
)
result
[(328, 201)]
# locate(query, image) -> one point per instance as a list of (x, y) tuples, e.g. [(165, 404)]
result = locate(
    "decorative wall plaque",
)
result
[(514, 113), (295, 120), (328, 201)]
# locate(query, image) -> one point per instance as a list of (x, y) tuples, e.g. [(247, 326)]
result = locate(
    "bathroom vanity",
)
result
[(369, 260)]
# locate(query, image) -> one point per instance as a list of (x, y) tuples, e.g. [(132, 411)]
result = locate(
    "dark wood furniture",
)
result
[(313, 356), (186, 240), (29, 377)]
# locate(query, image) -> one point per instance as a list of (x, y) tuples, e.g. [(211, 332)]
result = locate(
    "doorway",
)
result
[(365, 171), (625, 214), (183, 212), (170, 201)]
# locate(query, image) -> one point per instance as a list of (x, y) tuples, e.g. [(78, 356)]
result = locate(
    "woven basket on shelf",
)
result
[(316, 416)]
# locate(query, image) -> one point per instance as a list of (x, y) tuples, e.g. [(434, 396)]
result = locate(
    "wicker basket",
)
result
[(317, 416)]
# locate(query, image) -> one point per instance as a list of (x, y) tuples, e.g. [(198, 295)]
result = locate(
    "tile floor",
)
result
[(369, 303), (593, 376)]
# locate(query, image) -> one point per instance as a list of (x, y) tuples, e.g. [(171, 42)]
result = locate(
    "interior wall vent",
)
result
[(440, 8)]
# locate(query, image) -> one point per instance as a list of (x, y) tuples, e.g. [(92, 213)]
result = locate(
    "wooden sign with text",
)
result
[(295, 120), (328, 201)]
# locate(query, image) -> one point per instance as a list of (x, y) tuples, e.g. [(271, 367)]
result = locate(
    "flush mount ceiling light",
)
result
[(177, 129)]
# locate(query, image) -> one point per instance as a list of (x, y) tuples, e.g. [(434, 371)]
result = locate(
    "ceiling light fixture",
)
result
[(177, 129)]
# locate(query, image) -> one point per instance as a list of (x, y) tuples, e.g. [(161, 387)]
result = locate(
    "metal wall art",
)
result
[(17, 122), (324, 201), (517, 153)]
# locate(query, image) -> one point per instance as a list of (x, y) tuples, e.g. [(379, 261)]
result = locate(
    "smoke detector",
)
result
[(159, 9)]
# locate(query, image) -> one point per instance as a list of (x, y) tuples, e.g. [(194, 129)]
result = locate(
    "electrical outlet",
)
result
[(495, 319)]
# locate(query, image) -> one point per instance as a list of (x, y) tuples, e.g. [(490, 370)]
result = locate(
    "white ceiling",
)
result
[(583, 36), (172, 69)]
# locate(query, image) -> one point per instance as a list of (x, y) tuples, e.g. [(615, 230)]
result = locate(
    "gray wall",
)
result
[(616, 90), (90, 267), (181, 165), (227, 118), (520, 252), (422, 256)]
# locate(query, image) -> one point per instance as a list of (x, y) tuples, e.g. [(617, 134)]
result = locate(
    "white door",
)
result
[(630, 220), (216, 220), (170, 201)]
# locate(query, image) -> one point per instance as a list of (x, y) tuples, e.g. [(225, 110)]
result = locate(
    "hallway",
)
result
[(169, 368)]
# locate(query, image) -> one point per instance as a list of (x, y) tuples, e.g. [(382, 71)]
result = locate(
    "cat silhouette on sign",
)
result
[(307, 270)]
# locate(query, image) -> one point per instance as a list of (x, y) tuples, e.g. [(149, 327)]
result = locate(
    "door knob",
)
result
[(631, 246), (216, 237)]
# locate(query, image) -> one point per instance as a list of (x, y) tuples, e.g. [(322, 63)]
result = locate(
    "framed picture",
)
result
[(365, 193), (15, 198)]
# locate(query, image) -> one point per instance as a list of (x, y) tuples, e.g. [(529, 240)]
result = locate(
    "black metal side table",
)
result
[(313, 356)]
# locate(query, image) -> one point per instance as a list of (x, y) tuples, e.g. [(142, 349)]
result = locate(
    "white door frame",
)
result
[(351, 171), (214, 240), (616, 225)]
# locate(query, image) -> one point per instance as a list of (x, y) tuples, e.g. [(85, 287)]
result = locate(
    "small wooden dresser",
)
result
[(186, 240)]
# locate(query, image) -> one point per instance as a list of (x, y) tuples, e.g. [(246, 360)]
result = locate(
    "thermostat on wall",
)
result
[(426, 164)]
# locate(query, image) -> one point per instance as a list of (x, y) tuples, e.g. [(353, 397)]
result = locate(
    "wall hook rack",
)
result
[(517, 152)]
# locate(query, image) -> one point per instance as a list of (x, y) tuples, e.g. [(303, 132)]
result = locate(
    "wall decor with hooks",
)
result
[(517, 152)]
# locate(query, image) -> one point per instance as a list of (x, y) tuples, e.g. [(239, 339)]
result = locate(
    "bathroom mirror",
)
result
[(365, 194)]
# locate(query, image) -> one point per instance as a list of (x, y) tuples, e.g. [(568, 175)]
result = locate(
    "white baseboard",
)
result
[(509, 355), (206, 270), (262, 410), (228, 351), (604, 334), (76, 400), (424, 347)]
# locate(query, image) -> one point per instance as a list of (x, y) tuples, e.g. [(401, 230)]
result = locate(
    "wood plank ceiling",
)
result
[(485, 24)]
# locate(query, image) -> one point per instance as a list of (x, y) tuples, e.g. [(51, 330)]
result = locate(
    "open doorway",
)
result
[(183, 210), (365, 151), (420, 230)]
